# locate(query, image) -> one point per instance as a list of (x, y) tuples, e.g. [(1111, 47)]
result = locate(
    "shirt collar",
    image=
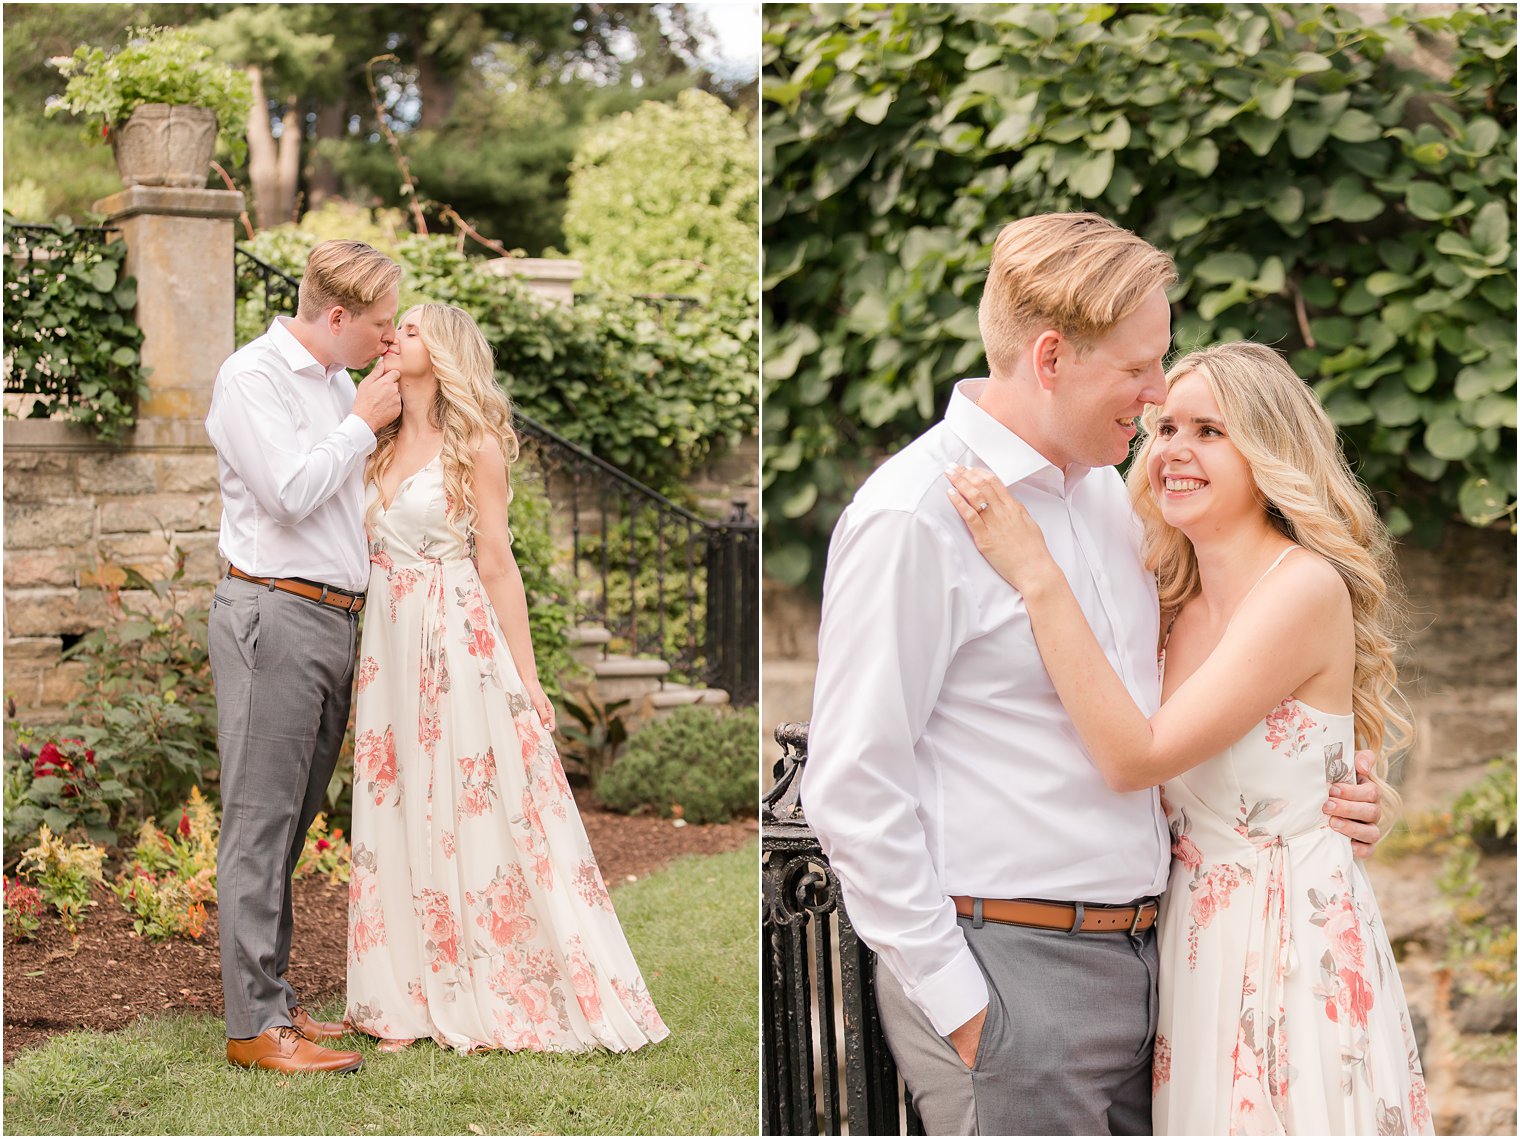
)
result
[(296, 355), (1007, 455)]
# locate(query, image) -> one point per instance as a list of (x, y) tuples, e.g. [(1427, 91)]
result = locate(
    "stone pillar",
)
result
[(74, 505), (179, 247)]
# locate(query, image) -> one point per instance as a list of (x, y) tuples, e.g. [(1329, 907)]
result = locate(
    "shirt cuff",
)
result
[(952, 996), (359, 433)]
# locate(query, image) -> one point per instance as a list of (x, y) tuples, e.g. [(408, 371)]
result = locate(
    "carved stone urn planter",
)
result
[(165, 145)]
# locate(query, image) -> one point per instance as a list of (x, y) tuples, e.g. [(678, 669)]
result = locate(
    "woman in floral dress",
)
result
[(477, 914), (1281, 1009)]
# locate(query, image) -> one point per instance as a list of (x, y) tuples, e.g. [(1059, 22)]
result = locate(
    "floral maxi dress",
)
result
[(477, 915), (1281, 1008)]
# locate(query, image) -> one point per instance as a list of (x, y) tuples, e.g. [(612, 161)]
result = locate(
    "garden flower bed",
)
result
[(112, 976)]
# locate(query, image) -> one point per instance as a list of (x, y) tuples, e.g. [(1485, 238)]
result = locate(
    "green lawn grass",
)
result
[(694, 930)]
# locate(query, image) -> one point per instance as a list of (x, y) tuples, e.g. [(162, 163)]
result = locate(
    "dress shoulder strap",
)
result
[(1276, 562)]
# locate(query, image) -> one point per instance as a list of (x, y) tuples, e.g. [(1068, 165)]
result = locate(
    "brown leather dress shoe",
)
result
[(314, 1029), (283, 1049)]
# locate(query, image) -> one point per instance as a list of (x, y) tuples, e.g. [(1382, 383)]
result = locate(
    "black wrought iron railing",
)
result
[(662, 580), (33, 257), (826, 1066)]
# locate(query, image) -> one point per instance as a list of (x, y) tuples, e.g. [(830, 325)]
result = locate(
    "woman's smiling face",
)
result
[(1196, 473)]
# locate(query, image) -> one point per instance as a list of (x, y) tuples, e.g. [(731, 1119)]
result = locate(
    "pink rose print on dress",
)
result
[(369, 668), (479, 641), (1289, 723), (1186, 851), (446, 841), (1211, 894), (375, 761), (416, 992), (1419, 1109), (1344, 934), (478, 788), (378, 556), (1161, 1063), (503, 908), (440, 929), (532, 841), (589, 885), (366, 917), (635, 998), (401, 583), (583, 981)]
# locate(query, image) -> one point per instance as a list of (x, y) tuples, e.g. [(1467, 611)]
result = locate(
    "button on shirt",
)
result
[(290, 454), (940, 760)]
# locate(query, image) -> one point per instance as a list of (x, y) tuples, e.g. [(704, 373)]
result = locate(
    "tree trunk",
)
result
[(289, 166), (321, 179), (437, 90), (263, 162)]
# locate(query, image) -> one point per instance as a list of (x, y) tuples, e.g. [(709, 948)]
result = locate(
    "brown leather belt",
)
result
[(312, 591), (1069, 917)]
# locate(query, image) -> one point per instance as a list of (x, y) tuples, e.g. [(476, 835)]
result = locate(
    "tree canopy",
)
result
[(488, 101)]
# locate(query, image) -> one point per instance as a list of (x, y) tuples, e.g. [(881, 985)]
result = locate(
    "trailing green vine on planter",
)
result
[(71, 334), (1319, 192)]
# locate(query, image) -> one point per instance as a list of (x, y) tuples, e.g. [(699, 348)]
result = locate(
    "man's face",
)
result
[(1100, 392), (365, 335)]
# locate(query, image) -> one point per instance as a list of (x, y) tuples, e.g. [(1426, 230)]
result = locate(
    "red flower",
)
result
[(184, 824), (89, 756), (323, 844), (48, 758)]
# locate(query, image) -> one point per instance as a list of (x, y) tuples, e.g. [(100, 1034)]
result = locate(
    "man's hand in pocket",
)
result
[(968, 1037)]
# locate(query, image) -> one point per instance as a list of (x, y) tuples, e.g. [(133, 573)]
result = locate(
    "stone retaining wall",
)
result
[(71, 505)]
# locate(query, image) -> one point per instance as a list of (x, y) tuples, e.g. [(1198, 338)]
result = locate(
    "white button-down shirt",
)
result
[(290, 453), (940, 760)]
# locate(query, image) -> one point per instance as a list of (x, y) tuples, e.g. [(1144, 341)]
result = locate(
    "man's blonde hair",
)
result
[(1077, 273), (347, 273)]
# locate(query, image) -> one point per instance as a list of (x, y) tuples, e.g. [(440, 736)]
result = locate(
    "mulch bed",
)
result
[(112, 976)]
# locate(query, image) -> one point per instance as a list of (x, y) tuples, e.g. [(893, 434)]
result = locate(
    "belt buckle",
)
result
[(1134, 926)]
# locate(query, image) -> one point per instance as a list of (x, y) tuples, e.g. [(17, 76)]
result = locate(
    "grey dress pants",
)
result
[(283, 668), (1066, 1047)]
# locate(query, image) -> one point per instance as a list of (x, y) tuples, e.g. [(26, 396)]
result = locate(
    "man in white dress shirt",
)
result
[(1008, 893), (291, 434)]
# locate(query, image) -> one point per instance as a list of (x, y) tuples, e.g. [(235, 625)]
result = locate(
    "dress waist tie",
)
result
[(1261, 1042), (435, 681)]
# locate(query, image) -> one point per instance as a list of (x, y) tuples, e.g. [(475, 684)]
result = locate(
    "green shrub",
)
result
[(147, 705), (550, 611), (700, 764), (1317, 192), (665, 199)]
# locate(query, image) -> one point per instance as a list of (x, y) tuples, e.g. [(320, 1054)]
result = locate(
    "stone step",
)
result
[(588, 643), (628, 678), (675, 695)]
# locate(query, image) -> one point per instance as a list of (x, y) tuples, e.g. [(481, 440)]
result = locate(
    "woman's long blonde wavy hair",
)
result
[(1310, 495), (469, 408)]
